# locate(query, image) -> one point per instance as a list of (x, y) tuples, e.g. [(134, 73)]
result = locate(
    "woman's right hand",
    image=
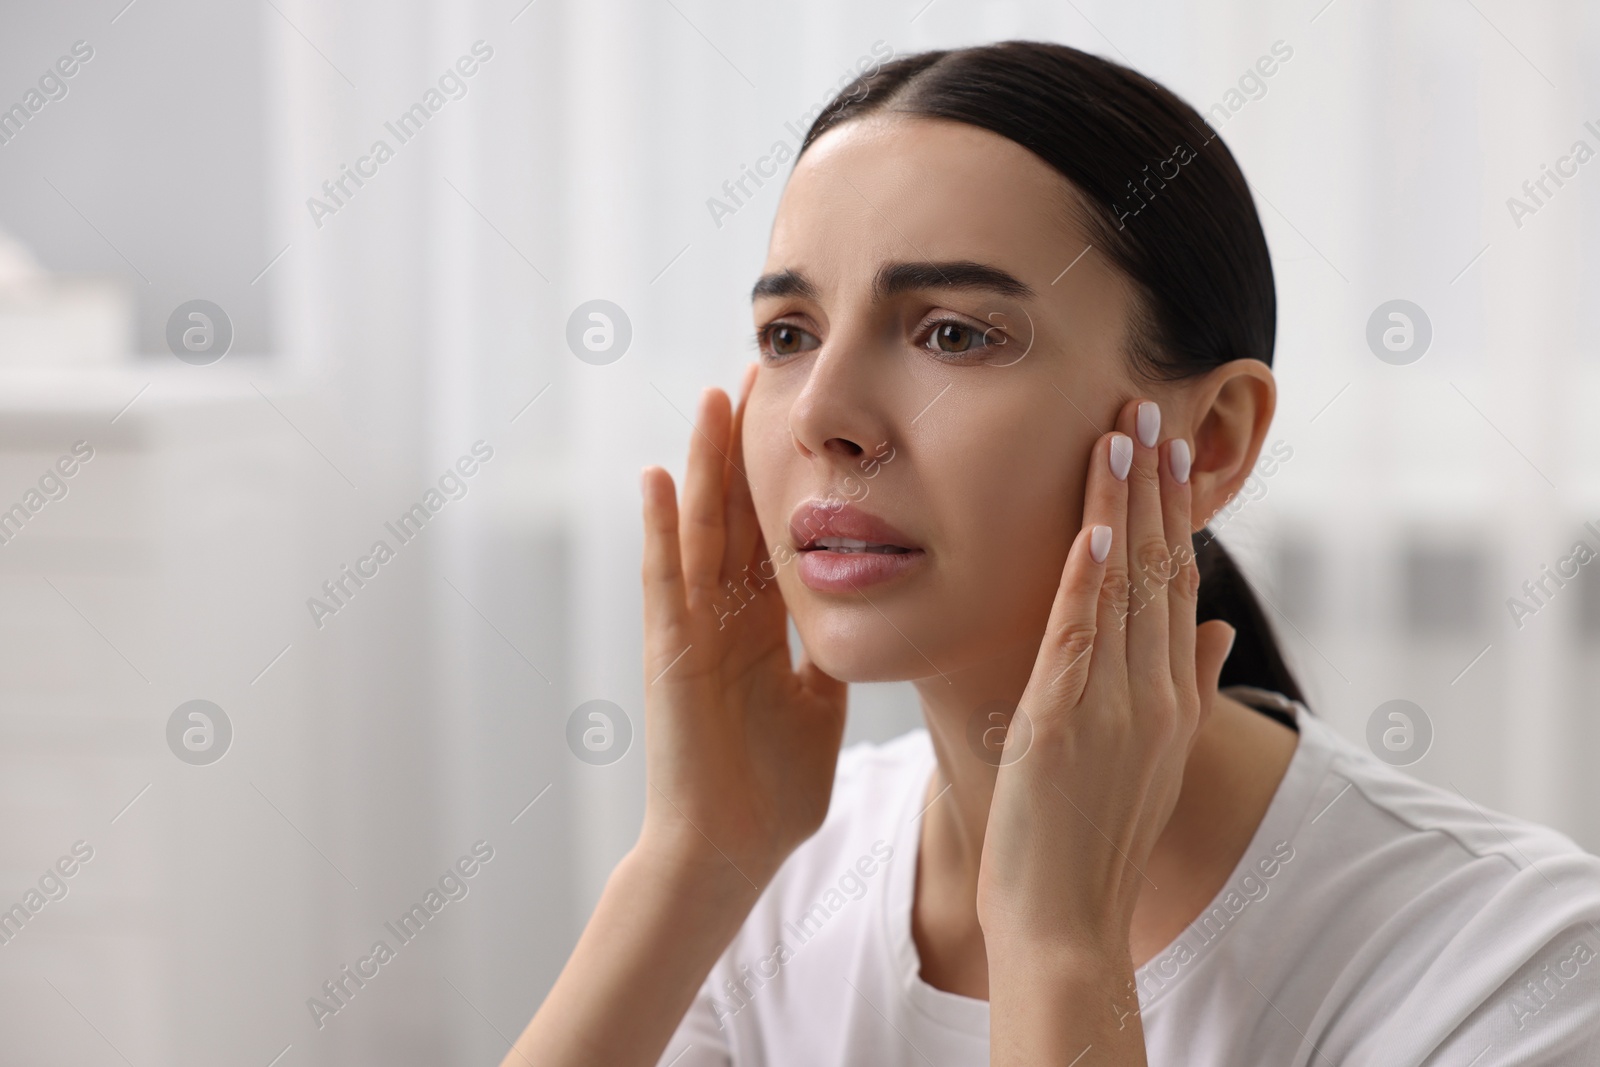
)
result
[(740, 748), (740, 744)]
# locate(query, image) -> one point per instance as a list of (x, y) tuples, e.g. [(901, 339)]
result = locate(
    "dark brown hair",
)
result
[(1161, 197)]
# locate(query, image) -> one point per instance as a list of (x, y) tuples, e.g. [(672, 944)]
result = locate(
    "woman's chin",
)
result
[(866, 660)]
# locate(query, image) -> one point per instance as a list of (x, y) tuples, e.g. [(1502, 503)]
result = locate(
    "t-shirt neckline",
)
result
[(970, 1015)]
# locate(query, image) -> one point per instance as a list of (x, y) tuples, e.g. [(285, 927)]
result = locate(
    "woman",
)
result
[(1015, 327)]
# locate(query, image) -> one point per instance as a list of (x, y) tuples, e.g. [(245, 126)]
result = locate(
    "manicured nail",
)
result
[(1148, 423), (1100, 543), (1180, 459), (1121, 456)]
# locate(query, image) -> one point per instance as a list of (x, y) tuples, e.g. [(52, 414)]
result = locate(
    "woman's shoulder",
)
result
[(1451, 923), (1397, 921), (1431, 821)]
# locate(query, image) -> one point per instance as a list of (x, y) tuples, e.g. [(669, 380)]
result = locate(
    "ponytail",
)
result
[(1225, 594)]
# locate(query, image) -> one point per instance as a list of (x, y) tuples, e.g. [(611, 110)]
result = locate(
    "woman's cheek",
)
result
[(1023, 511)]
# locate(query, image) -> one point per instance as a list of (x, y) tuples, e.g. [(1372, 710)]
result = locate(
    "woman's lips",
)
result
[(849, 572), (844, 549)]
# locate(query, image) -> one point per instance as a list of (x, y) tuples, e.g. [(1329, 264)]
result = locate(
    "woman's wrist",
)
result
[(1039, 959), (1035, 925), (655, 934), (1051, 1002), (693, 869)]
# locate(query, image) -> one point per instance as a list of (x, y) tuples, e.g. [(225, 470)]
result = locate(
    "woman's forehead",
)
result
[(905, 188)]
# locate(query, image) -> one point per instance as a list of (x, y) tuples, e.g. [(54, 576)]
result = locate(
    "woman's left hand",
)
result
[(1122, 684)]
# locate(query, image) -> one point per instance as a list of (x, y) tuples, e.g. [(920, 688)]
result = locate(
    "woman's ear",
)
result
[(1233, 409)]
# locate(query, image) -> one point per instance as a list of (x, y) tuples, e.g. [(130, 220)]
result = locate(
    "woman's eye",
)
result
[(956, 338), (785, 339)]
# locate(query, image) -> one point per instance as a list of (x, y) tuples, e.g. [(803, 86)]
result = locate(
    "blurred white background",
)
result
[(374, 345)]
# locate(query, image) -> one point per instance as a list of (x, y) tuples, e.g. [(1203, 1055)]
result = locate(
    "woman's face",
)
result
[(939, 353)]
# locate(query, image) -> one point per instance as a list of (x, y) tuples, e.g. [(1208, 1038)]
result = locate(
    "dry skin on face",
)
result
[(989, 441)]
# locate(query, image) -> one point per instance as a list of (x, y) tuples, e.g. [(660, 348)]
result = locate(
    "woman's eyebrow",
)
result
[(958, 274), (895, 278), (784, 283)]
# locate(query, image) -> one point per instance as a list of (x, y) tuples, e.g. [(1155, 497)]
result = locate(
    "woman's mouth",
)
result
[(844, 549), (845, 544)]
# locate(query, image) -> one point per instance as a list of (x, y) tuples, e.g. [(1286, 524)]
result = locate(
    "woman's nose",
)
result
[(839, 409)]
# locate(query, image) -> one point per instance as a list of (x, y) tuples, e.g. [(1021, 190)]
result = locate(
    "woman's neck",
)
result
[(1233, 772), (960, 711)]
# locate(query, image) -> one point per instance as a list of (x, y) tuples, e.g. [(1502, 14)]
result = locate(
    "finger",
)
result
[(1184, 587), (1068, 649), (1213, 641), (1105, 503), (700, 525), (665, 609), (1149, 662), (743, 531)]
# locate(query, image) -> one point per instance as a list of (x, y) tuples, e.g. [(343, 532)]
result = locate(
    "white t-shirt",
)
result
[(1373, 920)]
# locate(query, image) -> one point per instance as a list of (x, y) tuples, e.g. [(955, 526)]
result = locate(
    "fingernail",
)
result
[(1121, 456), (1148, 423), (1180, 459), (1100, 543)]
